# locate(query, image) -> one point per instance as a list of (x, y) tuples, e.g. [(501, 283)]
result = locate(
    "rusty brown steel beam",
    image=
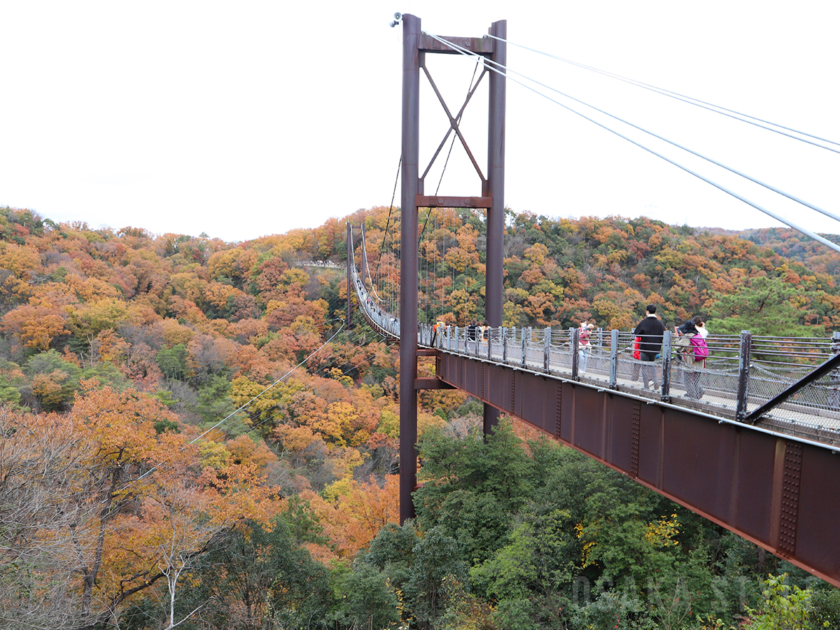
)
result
[(495, 188), (408, 262), (426, 201), (478, 45), (458, 120), (454, 125), (780, 493), (431, 382)]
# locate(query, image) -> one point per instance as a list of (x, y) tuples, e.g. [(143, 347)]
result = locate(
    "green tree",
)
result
[(764, 306), (173, 361), (531, 575), (436, 556), (214, 403), (785, 607), (256, 577), (365, 599)]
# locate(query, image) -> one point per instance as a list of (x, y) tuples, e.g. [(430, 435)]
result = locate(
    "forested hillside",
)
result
[(191, 435)]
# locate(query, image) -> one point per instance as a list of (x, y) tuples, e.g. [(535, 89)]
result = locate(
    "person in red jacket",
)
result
[(636, 355)]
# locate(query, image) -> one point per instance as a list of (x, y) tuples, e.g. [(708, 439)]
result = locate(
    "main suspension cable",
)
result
[(720, 187), (679, 146), (717, 109)]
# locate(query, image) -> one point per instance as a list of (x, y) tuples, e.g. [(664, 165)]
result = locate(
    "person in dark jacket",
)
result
[(650, 329), (472, 329)]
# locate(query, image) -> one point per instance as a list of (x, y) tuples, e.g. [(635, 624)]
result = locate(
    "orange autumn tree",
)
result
[(352, 514), (35, 326), (127, 503)]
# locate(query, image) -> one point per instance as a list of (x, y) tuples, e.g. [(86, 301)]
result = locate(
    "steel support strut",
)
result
[(832, 364), (495, 188), (408, 263), (350, 262)]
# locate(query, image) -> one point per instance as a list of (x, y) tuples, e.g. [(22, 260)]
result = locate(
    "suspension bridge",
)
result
[(749, 440)]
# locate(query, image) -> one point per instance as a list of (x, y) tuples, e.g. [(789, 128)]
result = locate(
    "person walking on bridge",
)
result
[(651, 330)]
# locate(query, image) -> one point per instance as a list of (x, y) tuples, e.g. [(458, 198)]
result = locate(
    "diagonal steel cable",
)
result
[(503, 71), (689, 99)]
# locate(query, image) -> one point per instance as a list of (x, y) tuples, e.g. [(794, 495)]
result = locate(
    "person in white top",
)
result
[(584, 345)]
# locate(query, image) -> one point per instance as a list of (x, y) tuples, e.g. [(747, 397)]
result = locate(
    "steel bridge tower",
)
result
[(416, 45)]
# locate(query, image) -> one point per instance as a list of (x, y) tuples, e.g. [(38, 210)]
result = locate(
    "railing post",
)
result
[(524, 345), (834, 376), (504, 345), (575, 334), (743, 376), (600, 337), (457, 348), (614, 359), (547, 349), (666, 366), (490, 343)]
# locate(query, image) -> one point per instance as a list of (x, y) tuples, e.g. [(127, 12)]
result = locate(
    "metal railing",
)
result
[(741, 373)]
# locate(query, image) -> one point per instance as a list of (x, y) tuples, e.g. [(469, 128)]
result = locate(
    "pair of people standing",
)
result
[(691, 344), (478, 333)]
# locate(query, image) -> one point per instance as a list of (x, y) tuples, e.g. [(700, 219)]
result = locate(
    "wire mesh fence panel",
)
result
[(559, 336), (535, 354), (560, 360), (595, 363), (494, 350), (816, 406)]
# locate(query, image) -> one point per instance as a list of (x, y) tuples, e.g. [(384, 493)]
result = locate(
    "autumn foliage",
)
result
[(164, 395)]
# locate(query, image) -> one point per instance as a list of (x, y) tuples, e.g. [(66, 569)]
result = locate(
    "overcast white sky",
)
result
[(251, 118)]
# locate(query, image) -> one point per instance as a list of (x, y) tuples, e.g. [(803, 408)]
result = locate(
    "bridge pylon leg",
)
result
[(408, 263), (415, 46), (495, 187)]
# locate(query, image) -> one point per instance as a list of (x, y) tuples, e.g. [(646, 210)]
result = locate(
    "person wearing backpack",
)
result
[(691, 344)]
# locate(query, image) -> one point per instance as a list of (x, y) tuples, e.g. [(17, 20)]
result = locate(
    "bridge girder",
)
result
[(777, 492)]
